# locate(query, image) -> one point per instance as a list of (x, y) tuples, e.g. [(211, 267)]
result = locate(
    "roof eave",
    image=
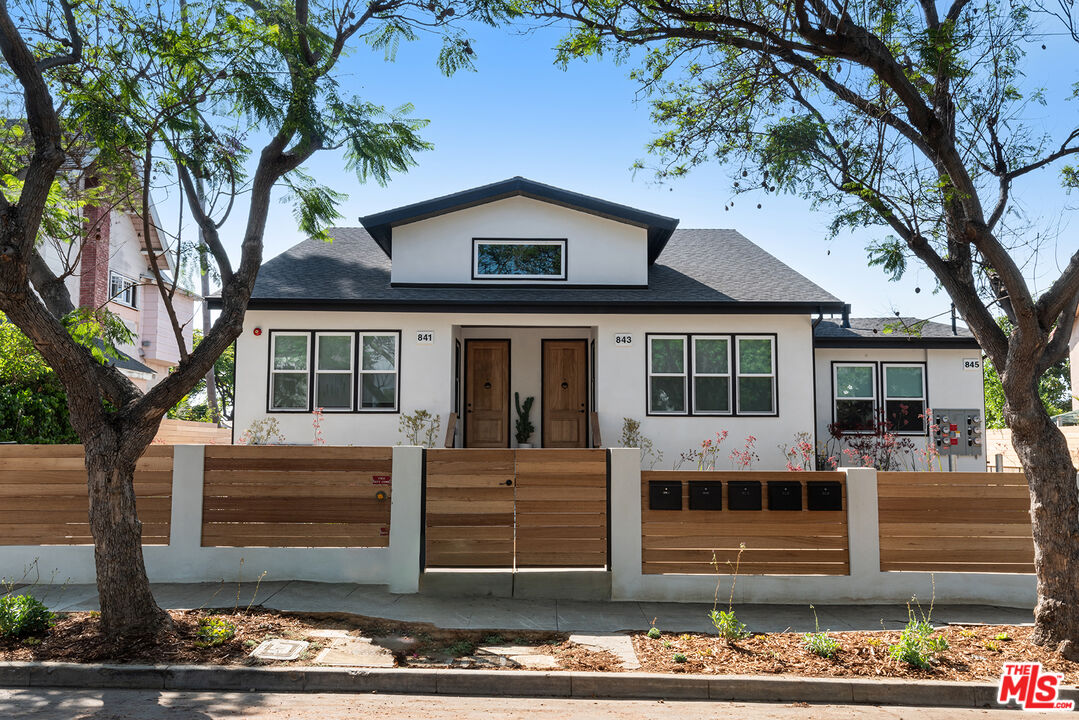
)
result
[(898, 343)]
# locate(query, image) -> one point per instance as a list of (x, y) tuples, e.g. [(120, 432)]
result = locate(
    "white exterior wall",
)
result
[(427, 375), (948, 385), (598, 251)]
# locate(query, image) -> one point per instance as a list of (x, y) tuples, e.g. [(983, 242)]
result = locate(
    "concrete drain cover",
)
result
[(279, 649)]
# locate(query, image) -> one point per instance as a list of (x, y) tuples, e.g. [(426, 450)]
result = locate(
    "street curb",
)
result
[(521, 683)]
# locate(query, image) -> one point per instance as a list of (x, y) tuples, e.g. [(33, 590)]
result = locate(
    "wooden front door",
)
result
[(487, 390), (565, 393)]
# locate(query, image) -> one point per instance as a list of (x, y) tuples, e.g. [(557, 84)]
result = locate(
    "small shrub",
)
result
[(874, 642), (917, 645), (654, 633), (494, 640), (420, 428), (967, 633), (23, 615), (991, 646), (666, 643), (1002, 636), (679, 658), (728, 625), (214, 631), (818, 642), (461, 647)]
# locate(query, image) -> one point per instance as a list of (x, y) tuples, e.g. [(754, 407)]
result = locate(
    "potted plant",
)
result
[(524, 425)]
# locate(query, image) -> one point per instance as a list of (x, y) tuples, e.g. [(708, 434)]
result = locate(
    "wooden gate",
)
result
[(516, 509)]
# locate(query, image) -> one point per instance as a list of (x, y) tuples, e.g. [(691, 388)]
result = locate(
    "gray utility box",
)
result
[(958, 432)]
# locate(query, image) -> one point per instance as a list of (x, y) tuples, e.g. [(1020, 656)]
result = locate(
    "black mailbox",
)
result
[(706, 495), (784, 495), (744, 495), (825, 495), (664, 495)]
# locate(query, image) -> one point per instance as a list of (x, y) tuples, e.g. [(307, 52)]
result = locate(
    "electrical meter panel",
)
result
[(958, 432)]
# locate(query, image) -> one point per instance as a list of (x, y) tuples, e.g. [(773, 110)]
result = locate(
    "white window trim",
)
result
[(477, 242), (886, 398), (835, 393), (684, 374), (775, 400), (350, 371), (728, 375), (129, 286), (361, 372), (274, 371)]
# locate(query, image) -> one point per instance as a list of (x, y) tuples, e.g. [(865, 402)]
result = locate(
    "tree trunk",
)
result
[(1054, 514), (127, 606), (211, 381)]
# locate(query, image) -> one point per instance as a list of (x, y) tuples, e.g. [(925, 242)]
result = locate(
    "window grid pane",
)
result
[(378, 371), (668, 380), (756, 375), (711, 375), (904, 398)]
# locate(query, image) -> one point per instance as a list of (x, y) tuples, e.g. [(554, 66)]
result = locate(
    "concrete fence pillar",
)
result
[(406, 519), (625, 559), (185, 529), (863, 526)]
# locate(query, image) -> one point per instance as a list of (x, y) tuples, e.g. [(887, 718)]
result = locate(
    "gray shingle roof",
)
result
[(699, 271), (871, 330)]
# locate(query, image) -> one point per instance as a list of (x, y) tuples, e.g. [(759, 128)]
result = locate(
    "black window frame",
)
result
[(561, 242), (357, 340), (733, 368)]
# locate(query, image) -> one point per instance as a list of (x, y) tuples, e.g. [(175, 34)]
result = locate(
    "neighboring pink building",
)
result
[(113, 271)]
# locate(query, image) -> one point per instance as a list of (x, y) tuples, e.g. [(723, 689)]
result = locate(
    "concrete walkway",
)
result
[(490, 613)]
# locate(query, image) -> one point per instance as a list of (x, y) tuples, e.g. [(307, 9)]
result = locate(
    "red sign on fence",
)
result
[(380, 479)]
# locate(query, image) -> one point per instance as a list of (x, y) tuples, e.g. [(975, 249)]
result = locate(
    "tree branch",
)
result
[(76, 42)]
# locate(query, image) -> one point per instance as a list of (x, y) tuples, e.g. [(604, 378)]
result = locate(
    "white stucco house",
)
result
[(599, 311)]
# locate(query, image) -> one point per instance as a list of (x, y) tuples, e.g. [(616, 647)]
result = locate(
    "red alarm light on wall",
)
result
[(257, 331)]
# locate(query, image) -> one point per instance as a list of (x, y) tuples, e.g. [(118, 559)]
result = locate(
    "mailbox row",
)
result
[(745, 495)]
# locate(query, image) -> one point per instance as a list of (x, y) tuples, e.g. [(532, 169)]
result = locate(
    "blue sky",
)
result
[(582, 128)]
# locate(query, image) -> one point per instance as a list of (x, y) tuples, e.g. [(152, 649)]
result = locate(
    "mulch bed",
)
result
[(974, 654)]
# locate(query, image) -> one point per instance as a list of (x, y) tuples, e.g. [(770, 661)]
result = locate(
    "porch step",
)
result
[(532, 584)]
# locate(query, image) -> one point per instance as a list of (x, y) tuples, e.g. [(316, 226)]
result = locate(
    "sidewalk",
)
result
[(519, 614)]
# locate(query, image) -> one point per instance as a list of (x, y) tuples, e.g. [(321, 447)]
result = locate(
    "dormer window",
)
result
[(495, 259)]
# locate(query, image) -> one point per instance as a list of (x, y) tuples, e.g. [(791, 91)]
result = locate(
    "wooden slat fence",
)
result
[(955, 522), (293, 496), (43, 495), (469, 508), (777, 542), (185, 432), (561, 502)]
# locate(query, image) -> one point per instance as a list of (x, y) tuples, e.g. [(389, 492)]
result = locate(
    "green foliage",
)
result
[(1054, 387), (820, 643), (214, 631), (654, 633), (633, 437), (727, 625), (917, 645), (679, 657), (263, 431), (33, 405), (524, 427), (23, 615), (461, 648)]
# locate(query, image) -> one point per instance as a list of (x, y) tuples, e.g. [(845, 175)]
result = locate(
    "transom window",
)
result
[(904, 397), (855, 396), (123, 289), (518, 259), (711, 375), (340, 371)]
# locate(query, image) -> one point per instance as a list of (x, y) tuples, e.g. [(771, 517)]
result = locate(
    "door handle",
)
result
[(509, 483)]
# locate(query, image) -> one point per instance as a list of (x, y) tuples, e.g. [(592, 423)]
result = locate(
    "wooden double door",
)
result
[(489, 404)]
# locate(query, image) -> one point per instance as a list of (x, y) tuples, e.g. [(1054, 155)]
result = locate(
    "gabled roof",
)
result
[(870, 332), (380, 225), (701, 271)]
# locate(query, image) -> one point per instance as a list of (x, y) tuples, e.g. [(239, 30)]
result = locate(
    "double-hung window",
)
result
[(756, 375), (855, 398), (379, 364), (290, 355), (904, 397), (333, 370), (711, 375), (123, 290), (667, 375)]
